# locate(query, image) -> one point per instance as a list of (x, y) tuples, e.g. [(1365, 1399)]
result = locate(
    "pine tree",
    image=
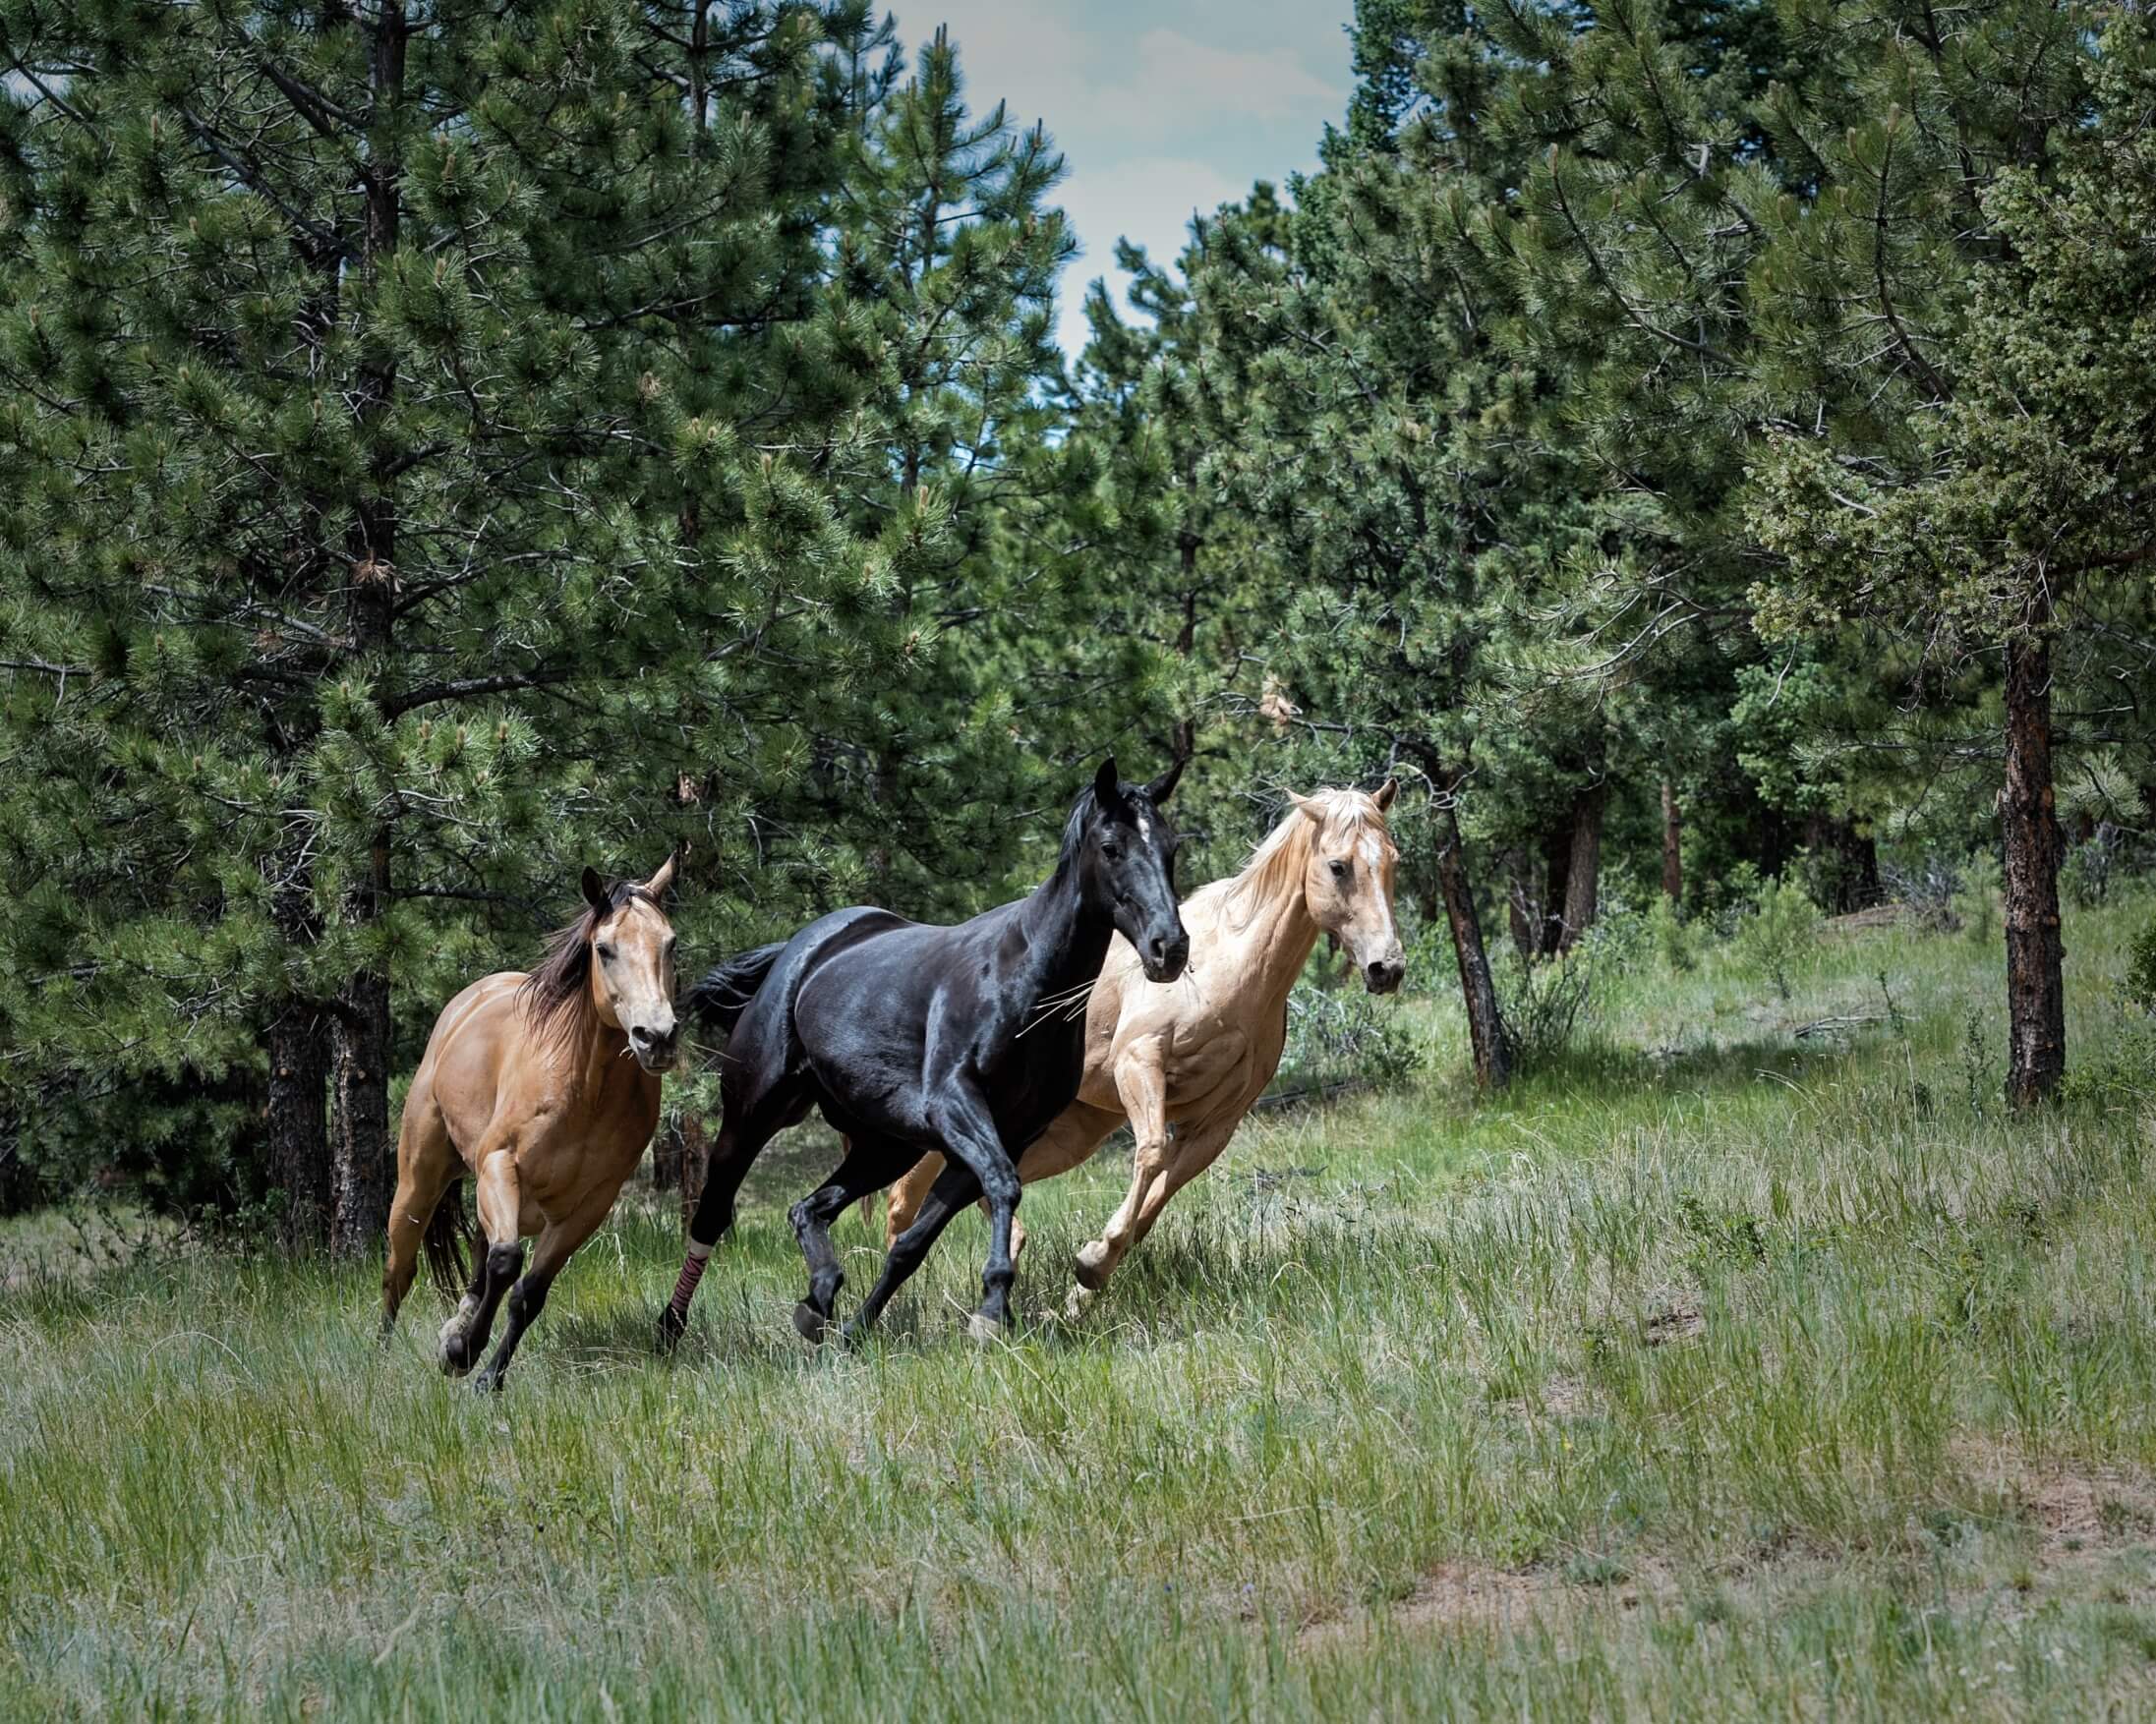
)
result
[(404, 430)]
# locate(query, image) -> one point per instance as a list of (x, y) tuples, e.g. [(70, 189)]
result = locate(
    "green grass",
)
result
[(1714, 1374)]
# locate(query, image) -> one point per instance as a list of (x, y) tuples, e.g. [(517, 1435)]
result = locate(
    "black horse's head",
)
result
[(1126, 864)]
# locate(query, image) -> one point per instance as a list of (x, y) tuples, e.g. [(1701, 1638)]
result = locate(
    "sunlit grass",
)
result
[(1712, 1372)]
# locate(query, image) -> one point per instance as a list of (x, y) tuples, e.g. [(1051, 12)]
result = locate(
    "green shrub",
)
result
[(1670, 938), (1780, 932), (1341, 1035), (1976, 899), (2141, 982)]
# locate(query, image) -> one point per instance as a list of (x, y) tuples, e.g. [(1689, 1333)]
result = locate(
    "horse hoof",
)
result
[(1093, 1267), (487, 1383), (983, 1330), (810, 1323), (456, 1358), (1074, 1308), (670, 1329)]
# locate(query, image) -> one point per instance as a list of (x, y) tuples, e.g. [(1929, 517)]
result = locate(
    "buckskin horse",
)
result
[(910, 1038), (545, 1087), (1196, 1057)]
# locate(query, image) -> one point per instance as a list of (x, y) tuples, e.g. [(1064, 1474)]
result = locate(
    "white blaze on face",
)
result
[(1144, 829)]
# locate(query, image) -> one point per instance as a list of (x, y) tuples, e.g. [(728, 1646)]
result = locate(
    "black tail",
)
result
[(724, 994), (449, 1230)]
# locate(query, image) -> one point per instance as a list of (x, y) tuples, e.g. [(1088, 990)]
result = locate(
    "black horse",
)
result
[(913, 1038)]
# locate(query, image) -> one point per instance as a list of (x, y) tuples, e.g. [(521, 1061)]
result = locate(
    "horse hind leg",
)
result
[(743, 1134), (427, 1167), (868, 1163)]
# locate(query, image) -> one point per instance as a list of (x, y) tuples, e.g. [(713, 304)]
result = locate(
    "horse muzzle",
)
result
[(1163, 957), (1383, 975), (655, 1049)]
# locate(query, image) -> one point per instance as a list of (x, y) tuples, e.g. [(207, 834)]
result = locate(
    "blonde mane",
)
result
[(1277, 865)]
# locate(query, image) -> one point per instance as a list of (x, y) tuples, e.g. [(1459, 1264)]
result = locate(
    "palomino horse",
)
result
[(909, 1039), (1197, 1056), (530, 1080)]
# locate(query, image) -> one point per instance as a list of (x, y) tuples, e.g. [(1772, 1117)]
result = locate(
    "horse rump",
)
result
[(450, 1233), (727, 987)]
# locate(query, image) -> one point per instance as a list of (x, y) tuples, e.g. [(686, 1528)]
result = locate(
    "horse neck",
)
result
[(1066, 939), (1280, 933), (593, 1047)]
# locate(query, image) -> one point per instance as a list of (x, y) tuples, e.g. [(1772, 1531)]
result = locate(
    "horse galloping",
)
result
[(545, 1087), (912, 1038), (1197, 1055)]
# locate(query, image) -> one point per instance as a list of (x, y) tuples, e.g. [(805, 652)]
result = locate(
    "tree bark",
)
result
[(1484, 1026), (2036, 1011), (1583, 866), (363, 1039), (695, 1163), (296, 1041), (1672, 846), (1550, 911)]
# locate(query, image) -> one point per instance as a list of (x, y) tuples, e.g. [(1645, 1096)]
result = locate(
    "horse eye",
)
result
[(606, 954), (1339, 869), (1111, 852)]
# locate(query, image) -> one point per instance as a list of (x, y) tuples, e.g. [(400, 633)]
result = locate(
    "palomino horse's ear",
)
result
[(1107, 787), (655, 887), (1309, 805), (1162, 788), (594, 890), (1385, 794)]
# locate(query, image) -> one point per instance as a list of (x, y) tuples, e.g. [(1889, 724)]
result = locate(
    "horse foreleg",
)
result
[(868, 1163), (501, 1206), (963, 1120), (556, 1244), (1142, 1083), (906, 1198), (955, 1187), (1190, 1155)]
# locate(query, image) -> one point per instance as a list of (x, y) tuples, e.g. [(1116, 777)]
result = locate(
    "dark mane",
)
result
[(557, 996)]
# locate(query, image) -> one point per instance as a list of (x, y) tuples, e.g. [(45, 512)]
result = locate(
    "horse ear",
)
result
[(655, 887), (594, 890), (1107, 787), (1385, 794), (1162, 788), (1310, 806)]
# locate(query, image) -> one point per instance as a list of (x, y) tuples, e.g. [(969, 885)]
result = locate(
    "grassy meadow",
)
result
[(1719, 1372)]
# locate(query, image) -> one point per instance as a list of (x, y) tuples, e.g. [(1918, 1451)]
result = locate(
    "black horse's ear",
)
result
[(1162, 788), (1107, 787), (594, 890)]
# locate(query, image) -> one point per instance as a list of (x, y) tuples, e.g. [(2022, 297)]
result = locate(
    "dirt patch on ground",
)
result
[(2073, 1505), (1464, 1594)]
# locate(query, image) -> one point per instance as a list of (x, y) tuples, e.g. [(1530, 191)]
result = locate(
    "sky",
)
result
[(1161, 109)]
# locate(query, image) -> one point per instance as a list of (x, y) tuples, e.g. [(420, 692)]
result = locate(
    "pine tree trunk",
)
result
[(2036, 1015), (666, 1158), (363, 1040), (1484, 1027), (297, 1045), (1522, 910), (1584, 866), (1672, 846), (1550, 911), (695, 1163)]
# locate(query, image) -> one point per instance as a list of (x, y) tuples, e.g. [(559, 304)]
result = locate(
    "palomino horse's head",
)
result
[(632, 965), (1126, 866), (1348, 880)]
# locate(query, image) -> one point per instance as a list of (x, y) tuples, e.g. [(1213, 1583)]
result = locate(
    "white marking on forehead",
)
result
[(1371, 855), (1145, 828)]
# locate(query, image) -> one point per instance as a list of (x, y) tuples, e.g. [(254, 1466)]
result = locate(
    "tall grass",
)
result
[(1713, 1371)]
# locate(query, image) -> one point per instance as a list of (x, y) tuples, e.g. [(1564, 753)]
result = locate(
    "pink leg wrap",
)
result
[(685, 1288)]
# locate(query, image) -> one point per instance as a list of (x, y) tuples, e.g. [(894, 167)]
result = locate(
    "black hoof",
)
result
[(670, 1329), (810, 1323), (456, 1358), (487, 1383)]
